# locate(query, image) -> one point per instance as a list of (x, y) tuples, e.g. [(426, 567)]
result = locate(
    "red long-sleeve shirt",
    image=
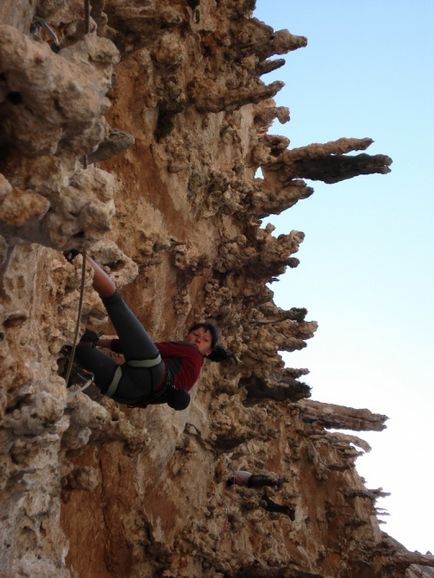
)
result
[(183, 360)]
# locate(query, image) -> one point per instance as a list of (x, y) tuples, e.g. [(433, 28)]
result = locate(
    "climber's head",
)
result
[(204, 336)]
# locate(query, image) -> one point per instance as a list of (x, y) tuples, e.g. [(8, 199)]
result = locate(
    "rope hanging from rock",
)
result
[(83, 264), (87, 16), (77, 324)]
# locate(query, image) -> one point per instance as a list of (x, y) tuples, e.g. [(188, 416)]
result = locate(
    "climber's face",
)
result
[(202, 338)]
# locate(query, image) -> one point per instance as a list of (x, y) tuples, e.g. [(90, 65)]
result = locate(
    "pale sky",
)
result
[(366, 269)]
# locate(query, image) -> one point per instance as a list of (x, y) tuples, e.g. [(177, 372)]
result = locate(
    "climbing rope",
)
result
[(77, 324), (87, 16), (87, 10), (83, 265), (226, 523)]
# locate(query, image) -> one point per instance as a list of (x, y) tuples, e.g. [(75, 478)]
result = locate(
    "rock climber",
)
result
[(152, 372), (245, 478)]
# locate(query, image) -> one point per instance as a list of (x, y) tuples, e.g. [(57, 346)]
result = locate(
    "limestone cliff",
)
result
[(134, 129)]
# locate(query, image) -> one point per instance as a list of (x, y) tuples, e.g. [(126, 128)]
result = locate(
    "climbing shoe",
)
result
[(89, 337)]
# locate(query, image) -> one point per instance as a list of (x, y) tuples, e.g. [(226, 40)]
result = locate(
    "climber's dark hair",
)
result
[(213, 329), (218, 352)]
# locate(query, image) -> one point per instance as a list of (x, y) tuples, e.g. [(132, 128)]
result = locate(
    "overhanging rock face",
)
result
[(167, 99)]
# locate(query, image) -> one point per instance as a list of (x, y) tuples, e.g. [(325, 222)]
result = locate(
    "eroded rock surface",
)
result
[(167, 98)]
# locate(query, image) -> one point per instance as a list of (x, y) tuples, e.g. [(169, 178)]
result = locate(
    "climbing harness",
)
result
[(136, 363), (77, 324)]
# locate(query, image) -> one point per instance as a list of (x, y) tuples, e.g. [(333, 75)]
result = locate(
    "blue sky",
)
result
[(366, 270)]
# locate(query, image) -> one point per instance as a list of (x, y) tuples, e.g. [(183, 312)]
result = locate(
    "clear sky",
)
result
[(367, 269)]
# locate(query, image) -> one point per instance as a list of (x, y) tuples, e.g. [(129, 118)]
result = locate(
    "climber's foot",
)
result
[(90, 337)]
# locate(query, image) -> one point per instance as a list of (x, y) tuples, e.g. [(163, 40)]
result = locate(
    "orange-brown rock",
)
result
[(167, 98)]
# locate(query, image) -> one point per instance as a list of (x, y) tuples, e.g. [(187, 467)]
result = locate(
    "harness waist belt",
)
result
[(144, 362), (136, 363)]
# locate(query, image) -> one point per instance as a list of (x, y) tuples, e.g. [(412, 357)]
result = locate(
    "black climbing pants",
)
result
[(136, 383)]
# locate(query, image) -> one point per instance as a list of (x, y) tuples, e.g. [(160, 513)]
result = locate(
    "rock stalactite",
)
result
[(137, 135)]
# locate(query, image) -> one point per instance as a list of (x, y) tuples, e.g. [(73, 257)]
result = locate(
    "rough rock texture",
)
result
[(90, 488)]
